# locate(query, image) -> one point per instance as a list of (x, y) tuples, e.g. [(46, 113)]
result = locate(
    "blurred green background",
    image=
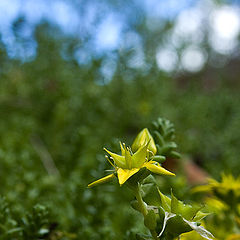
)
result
[(79, 76)]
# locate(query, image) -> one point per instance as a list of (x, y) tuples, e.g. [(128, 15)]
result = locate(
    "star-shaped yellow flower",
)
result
[(127, 164), (222, 189)]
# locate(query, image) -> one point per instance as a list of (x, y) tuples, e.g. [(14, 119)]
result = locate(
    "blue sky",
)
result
[(80, 21), (109, 27)]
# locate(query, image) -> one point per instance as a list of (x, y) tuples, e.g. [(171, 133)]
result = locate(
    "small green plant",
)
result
[(9, 227), (36, 224), (178, 218), (164, 133), (169, 217)]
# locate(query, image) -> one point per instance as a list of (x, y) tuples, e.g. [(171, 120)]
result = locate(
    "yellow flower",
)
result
[(228, 184), (233, 237), (216, 205), (127, 164)]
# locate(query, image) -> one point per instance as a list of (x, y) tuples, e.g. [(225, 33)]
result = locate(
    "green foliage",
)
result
[(164, 136), (8, 226), (150, 220), (177, 218), (34, 225)]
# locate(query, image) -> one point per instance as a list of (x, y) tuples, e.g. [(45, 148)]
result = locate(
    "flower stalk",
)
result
[(143, 208), (141, 204)]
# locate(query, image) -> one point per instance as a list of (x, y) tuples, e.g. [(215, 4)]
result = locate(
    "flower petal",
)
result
[(119, 160), (122, 149), (128, 157), (101, 180), (202, 188), (139, 157), (125, 174), (156, 168)]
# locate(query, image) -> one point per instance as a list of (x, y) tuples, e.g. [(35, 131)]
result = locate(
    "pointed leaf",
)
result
[(174, 154), (159, 158), (188, 211), (166, 218), (150, 220), (166, 202), (160, 139), (149, 180), (176, 226), (199, 216), (174, 204), (135, 205), (161, 213), (200, 230)]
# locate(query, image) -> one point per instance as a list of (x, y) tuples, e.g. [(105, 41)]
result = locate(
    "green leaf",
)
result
[(150, 220), (188, 211), (167, 216), (170, 134), (160, 139), (142, 237), (200, 230), (176, 226), (159, 158), (161, 213), (167, 148), (174, 154), (174, 204), (199, 216), (135, 205), (149, 179), (166, 202)]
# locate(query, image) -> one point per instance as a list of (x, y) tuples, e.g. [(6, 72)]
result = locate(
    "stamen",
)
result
[(150, 152), (130, 150), (110, 161)]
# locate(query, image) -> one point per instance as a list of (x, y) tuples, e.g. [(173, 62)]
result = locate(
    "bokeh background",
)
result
[(76, 76)]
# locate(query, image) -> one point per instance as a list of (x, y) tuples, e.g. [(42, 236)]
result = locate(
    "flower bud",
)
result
[(143, 138)]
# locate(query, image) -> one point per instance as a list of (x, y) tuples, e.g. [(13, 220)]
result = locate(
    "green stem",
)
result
[(141, 203), (143, 208), (154, 234)]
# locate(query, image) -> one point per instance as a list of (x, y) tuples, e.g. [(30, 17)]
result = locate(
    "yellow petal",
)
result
[(139, 157), (128, 157), (122, 149), (119, 160), (101, 180), (202, 188), (156, 168), (125, 174)]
